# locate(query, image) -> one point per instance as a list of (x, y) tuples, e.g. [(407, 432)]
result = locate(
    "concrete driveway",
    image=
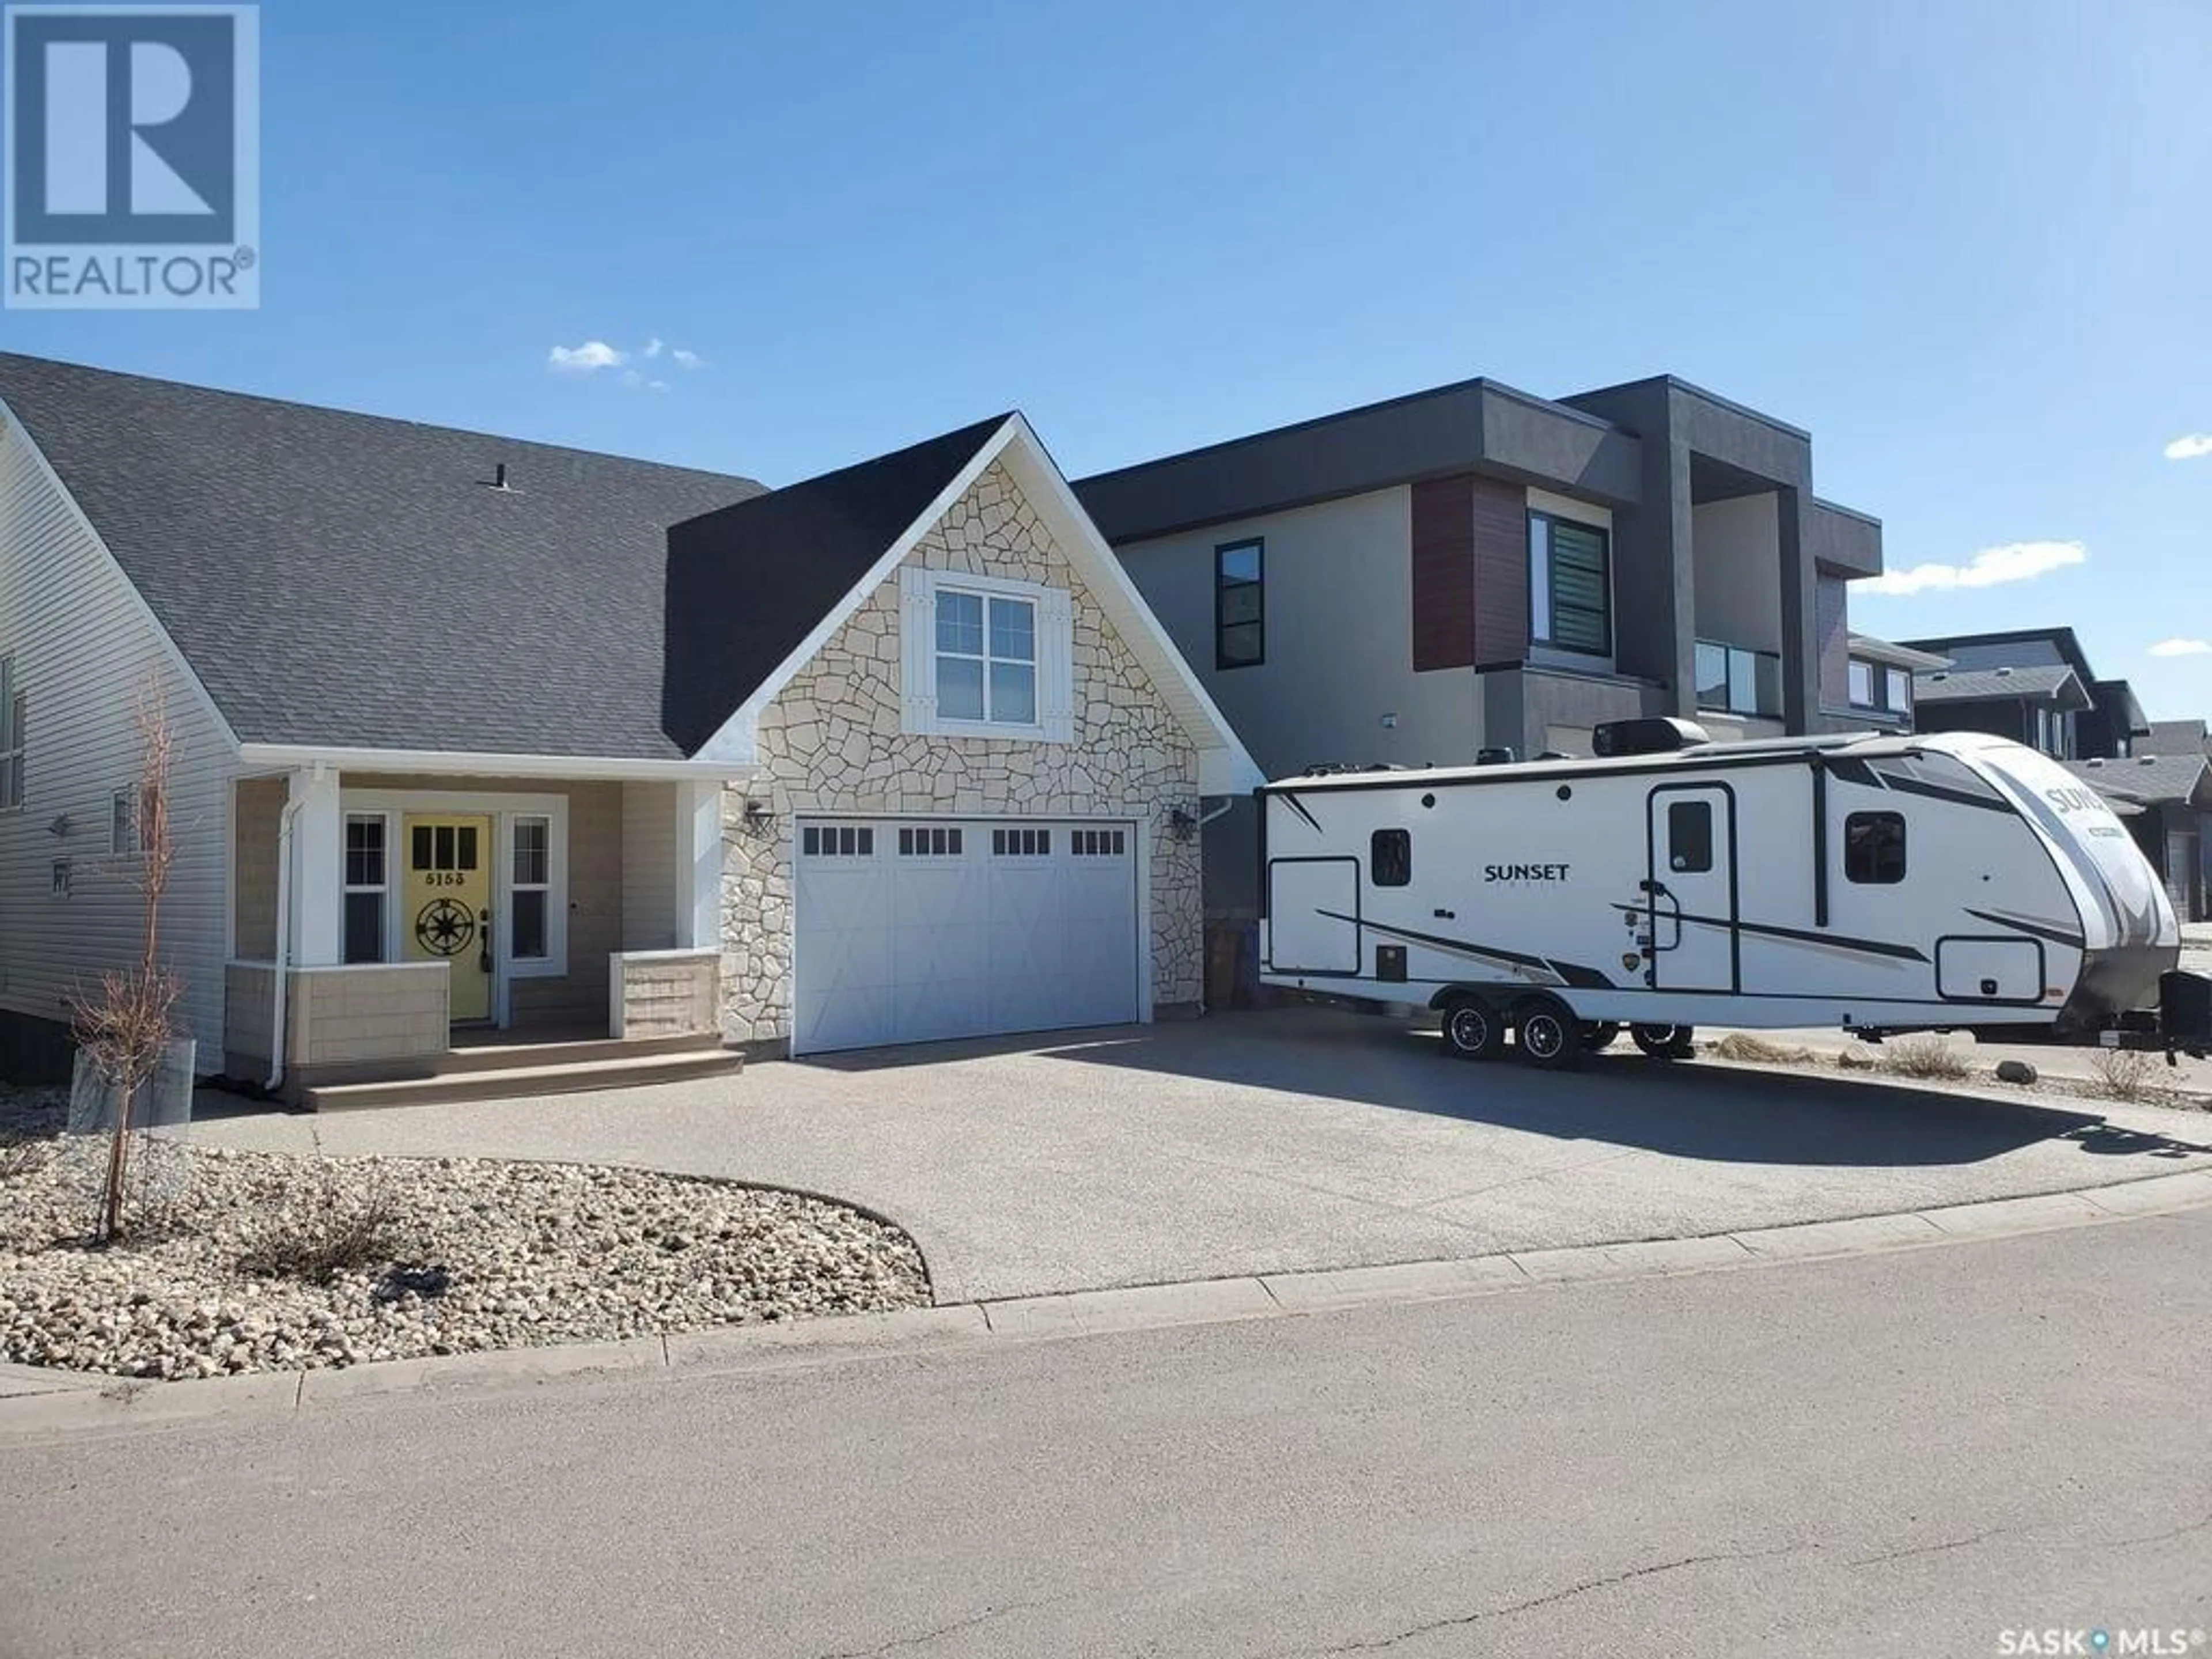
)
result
[(1296, 1139)]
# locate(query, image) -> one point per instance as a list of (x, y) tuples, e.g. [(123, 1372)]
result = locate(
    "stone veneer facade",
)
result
[(833, 742)]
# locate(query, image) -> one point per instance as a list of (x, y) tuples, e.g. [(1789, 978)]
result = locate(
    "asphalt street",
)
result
[(1911, 1453)]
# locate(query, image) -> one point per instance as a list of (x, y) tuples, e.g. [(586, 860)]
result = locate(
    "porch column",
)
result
[(318, 868), (698, 865)]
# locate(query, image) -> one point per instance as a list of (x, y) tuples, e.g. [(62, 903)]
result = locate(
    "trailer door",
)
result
[(1691, 887), (1313, 915)]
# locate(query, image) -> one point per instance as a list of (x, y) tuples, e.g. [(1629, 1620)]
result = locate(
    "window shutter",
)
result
[(1057, 666), (917, 649)]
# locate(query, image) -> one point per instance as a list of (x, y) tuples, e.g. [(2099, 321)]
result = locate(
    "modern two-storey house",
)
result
[(1474, 568)]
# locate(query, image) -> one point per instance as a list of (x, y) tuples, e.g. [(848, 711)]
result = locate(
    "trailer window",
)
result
[(1690, 835), (1873, 848), (1390, 858)]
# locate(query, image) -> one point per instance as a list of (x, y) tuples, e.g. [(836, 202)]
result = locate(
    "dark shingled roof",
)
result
[(344, 580), (2173, 737), (747, 584), (2181, 778), (1973, 684)]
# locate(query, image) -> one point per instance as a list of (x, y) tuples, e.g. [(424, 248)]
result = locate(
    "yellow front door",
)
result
[(449, 905)]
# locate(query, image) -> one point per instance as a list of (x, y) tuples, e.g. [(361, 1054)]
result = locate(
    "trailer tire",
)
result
[(1598, 1036), (1472, 1031), (1548, 1034), (1664, 1041)]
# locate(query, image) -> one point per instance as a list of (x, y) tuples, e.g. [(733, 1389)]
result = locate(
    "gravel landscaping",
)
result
[(258, 1261)]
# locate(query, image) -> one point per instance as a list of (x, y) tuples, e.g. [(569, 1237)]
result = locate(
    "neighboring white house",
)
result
[(471, 732)]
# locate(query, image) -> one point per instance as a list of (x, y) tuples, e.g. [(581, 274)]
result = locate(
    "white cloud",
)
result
[(587, 359), (2182, 648), (594, 355), (2190, 447), (2015, 561)]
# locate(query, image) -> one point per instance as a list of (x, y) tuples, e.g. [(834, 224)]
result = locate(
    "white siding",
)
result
[(648, 866), (84, 645)]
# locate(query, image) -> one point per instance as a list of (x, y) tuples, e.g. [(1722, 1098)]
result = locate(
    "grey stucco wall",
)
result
[(1338, 598)]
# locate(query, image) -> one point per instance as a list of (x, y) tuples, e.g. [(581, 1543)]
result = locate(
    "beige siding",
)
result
[(595, 913), (347, 1016), (648, 846), (668, 995), (84, 646), (249, 1008), (256, 814), (338, 1018)]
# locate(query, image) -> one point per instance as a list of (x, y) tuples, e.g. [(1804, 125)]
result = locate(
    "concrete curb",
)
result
[(72, 1403)]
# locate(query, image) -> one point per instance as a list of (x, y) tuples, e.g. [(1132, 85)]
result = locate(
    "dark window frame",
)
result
[(1390, 858), (1257, 546), (1698, 843), (1758, 706), (1867, 864), (1549, 639)]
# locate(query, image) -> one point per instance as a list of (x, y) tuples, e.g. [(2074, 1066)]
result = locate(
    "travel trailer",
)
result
[(1878, 884)]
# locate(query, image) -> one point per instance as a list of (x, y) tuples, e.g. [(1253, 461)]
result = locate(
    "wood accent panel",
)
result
[(1444, 629), (1500, 517)]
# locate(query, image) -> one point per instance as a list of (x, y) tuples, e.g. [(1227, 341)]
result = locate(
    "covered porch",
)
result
[(397, 924)]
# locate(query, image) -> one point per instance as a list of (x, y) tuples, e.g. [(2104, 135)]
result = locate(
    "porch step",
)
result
[(626, 1070), (487, 1055)]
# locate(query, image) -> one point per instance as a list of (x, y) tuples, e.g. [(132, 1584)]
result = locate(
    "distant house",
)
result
[(484, 736), (1880, 680), (2034, 685), (2164, 792)]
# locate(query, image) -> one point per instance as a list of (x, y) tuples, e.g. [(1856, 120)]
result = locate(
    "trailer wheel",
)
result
[(1598, 1036), (1548, 1033), (1664, 1041), (1472, 1031)]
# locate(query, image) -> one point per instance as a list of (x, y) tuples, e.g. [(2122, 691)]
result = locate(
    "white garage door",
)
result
[(911, 932)]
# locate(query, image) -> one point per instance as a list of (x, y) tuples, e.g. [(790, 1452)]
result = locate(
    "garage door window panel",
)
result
[(836, 840), (931, 842)]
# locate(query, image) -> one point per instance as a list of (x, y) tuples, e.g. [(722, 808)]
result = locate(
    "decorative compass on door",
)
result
[(445, 926)]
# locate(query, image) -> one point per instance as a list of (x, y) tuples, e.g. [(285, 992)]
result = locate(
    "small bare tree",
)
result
[(2124, 1073), (125, 1028)]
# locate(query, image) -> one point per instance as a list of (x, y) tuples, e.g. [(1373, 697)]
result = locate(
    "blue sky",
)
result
[(1967, 243)]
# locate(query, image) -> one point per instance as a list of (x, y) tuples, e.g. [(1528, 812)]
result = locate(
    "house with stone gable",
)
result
[(500, 765)]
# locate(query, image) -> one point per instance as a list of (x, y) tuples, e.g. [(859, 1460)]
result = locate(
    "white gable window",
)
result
[(984, 656)]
